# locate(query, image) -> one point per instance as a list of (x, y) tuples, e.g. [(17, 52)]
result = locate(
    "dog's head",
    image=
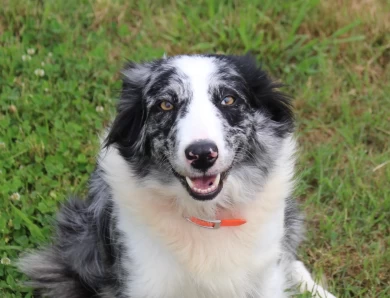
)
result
[(194, 121)]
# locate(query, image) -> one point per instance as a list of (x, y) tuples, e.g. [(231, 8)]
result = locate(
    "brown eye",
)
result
[(166, 106), (228, 100)]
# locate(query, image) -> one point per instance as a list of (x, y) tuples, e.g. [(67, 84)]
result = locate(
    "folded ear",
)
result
[(265, 93), (126, 132)]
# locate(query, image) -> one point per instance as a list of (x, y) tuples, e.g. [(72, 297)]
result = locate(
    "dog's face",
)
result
[(197, 120)]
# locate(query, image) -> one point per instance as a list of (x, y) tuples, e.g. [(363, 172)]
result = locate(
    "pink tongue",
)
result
[(203, 182)]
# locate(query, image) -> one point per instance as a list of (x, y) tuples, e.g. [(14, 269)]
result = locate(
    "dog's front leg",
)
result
[(301, 277)]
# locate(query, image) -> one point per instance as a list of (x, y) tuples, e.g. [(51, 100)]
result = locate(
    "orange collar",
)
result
[(217, 223)]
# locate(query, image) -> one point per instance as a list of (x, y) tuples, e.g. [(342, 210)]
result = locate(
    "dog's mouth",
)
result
[(205, 187)]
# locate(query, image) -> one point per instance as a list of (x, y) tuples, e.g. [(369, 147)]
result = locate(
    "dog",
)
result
[(192, 192)]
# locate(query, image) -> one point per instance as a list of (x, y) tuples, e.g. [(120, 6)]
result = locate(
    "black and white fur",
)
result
[(129, 238)]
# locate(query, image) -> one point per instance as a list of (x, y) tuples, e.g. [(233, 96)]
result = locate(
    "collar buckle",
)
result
[(205, 223)]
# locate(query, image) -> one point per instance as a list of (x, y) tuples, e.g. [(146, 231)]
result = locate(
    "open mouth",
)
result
[(204, 187)]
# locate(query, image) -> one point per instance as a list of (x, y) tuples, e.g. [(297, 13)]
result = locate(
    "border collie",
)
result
[(191, 196)]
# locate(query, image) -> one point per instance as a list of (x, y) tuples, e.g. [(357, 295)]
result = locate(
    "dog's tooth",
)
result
[(189, 182), (217, 179)]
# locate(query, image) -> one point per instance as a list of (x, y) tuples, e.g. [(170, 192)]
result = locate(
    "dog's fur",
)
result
[(129, 238)]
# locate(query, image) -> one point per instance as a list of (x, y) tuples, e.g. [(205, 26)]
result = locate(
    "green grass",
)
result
[(334, 56)]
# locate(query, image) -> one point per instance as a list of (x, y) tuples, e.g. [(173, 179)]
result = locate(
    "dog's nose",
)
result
[(202, 154)]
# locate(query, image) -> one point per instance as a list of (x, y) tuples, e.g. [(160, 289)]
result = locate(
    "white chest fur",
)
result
[(174, 258)]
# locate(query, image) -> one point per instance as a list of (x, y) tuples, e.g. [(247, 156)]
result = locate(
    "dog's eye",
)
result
[(228, 101), (166, 105)]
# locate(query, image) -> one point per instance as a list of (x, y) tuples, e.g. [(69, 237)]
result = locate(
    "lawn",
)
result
[(59, 82)]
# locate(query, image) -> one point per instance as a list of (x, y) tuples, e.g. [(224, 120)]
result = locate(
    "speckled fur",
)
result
[(129, 237)]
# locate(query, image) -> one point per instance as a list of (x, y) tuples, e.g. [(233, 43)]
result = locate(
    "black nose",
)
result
[(202, 154)]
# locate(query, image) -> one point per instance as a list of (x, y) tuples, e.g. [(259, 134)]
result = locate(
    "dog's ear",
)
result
[(265, 92), (127, 129)]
